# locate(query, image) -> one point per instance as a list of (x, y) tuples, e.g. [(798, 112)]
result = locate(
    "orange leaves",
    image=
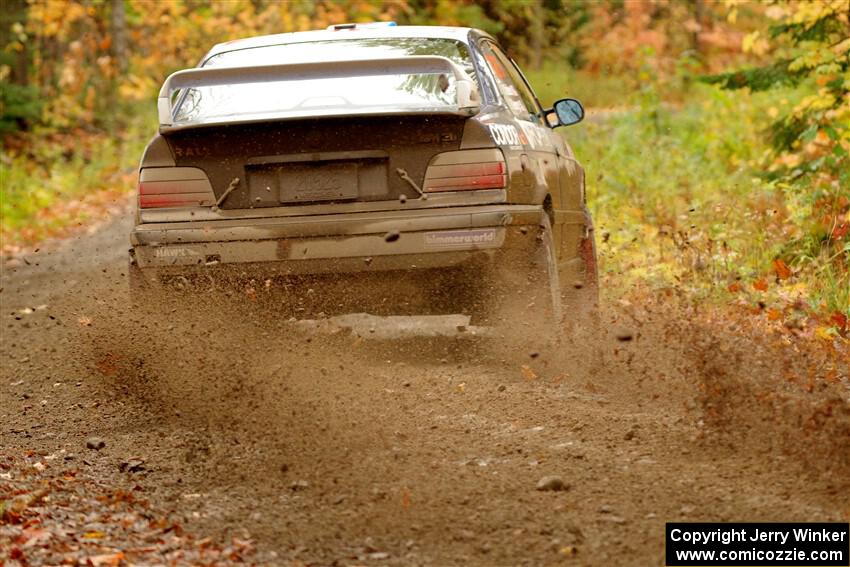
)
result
[(783, 272), (568, 551), (560, 378), (55, 19), (527, 372), (107, 364), (33, 536), (840, 231), (840, 321), (824, 333), (780, 268), (734, 287), (107, 560), (36, 533)]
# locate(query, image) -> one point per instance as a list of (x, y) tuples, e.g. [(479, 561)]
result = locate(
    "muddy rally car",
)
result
[(417, 158)]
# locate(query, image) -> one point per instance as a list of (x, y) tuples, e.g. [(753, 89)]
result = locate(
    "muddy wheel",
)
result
[(143, 288), (581, 306), (525, 300), (580, 291)]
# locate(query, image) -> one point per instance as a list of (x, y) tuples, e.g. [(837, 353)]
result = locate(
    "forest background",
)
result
[(717, 144)]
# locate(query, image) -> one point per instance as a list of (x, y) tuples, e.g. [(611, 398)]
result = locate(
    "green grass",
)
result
[(679, 197), (58, 170), (682, 176), (552, 82)]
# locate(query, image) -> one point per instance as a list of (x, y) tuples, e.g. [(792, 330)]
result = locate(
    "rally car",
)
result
[(417, 153)]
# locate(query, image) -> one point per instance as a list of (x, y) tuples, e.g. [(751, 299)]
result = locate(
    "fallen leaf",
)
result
[(825, 333), (405, 497), (527, 372), (107, 364), (783, 272), (760, 284), (734, 287), (33, 536), (560, 378), (774, 314), (93, 535), (108, 559), (84, 321), (840, 320), (205, 542)]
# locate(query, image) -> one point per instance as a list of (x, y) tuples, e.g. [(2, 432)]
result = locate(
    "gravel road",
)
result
[(363, 441)]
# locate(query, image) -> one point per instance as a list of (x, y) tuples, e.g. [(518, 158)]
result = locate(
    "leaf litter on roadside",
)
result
[(54, 515)]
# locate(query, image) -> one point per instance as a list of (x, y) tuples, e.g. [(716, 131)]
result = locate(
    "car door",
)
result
[(539, 153), (571, 220)]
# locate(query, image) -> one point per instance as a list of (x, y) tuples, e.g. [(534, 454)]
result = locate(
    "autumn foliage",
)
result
[(765, 147), (85, 57)]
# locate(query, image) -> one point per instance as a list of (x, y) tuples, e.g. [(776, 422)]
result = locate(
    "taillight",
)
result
[(466, 170), (170, 187)]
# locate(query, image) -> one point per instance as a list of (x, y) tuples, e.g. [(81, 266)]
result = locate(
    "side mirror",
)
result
[(568, 111)]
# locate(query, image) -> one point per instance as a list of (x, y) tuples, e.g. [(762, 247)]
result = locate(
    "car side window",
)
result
[(510, 83)]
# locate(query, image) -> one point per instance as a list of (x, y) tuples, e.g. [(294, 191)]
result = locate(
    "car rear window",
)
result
[(331, 95)]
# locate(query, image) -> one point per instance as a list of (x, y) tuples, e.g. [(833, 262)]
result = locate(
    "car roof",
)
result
[(370, 32)]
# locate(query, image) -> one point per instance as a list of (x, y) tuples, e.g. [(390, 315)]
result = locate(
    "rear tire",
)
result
[(525, 299), (142, 287), (581, 297)]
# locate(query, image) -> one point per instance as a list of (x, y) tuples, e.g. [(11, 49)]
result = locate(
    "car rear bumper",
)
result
[(432, 238)]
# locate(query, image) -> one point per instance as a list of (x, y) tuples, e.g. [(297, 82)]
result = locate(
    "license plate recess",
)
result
[(300, 183)]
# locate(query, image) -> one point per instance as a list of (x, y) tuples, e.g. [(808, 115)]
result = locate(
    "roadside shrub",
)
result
[(19, 107)]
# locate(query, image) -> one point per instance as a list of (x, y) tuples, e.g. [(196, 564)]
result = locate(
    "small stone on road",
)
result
[(553, 483)]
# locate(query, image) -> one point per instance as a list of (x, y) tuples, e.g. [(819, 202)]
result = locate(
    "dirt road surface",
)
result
[(326, 445)]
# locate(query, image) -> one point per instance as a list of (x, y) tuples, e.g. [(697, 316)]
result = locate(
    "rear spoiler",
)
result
[(467, 95)]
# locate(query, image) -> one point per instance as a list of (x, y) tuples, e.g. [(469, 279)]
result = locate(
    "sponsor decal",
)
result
[(441, 138), (461, 238), (171, 252), (505, 134), (534, 137), (191, 151)]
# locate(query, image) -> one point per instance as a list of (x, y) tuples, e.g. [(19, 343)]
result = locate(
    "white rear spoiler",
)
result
[(467, 95)]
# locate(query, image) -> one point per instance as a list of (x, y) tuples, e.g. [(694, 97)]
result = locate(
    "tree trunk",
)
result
[(119, 35), (15, 12), (536, 32), (698, 16)]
